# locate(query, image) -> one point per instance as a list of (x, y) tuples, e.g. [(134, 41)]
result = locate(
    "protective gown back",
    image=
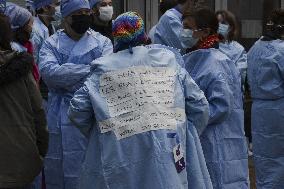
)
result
[(265, 76), (223, 140), (135, 109)]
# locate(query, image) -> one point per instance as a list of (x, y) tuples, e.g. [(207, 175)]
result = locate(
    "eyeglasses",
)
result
[(270, 23)]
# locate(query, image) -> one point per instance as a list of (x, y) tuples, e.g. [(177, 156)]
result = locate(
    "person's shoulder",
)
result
[(263, 49), (237, 46), (232, 49), (53, 39), (171, 14), (216, 53), (211, 52), (162, 48), (209, 57), (279, 44), (97, 35)]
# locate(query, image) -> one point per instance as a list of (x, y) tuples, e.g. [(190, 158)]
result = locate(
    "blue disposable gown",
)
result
[(152, 33), (39, 34), (64, 65), (265, 76), (223, 140), (144, 160), (238, 55), (168, 30)]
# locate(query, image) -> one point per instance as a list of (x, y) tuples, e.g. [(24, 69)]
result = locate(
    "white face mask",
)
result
[(223, 29), (106, 13), (187, 39)]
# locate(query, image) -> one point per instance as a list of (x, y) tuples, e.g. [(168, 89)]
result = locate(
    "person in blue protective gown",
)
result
[(163, 7), (169, 26), (64, 63), (228, 28), (42, 27), (223, 140), (168, 29), (21, 22), (134, 109), (265, 76)]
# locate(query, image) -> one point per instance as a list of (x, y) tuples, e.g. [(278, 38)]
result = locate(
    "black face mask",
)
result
[(22, 36), (81, 23)]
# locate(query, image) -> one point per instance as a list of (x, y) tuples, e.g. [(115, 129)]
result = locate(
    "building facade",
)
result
[(251, 14)]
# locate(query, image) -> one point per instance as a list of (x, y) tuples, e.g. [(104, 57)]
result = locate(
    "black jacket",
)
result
[(104, 30), (23, 131)]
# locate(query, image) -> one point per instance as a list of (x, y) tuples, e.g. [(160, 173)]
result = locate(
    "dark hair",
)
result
[(5, 32), (167, 4), (191, 3), (231, 20), (277, 17), (39, 11), (204, 18), (275, 26), (181, 1)]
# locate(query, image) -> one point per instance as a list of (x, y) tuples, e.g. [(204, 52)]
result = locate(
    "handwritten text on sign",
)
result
[(139, 99)]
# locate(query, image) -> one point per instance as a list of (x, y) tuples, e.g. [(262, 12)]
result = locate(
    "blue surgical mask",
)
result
[(223, 29), (187, 39)]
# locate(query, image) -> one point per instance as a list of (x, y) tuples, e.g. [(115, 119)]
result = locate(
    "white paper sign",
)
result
[(139, 99)]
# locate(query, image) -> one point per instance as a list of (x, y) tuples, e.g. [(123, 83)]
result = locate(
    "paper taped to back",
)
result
[(140, 99)]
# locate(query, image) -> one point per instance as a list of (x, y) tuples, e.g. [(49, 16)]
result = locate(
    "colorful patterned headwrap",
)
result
[(128, 31)]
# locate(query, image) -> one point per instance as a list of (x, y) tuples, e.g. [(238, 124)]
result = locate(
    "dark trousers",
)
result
[(25, 187)]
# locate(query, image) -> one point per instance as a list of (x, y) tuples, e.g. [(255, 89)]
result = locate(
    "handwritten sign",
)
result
[(139, 99)]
